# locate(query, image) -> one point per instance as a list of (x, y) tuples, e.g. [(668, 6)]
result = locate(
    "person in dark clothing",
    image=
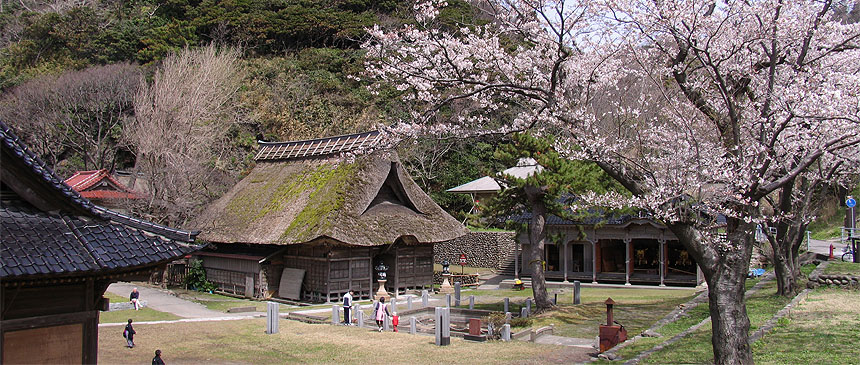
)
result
[(134, 298), (347, 304), (128, 333), (157, 359)]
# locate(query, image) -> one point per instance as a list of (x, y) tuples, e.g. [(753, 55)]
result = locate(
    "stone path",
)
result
[(164, 301), (583, 343)]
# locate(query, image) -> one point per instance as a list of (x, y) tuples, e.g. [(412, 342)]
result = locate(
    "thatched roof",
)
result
[(367, 201)]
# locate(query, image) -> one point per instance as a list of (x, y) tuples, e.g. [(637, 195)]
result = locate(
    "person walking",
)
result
[(381, 311), (128, 333), (347, 304), (157, 359), (134, 298)]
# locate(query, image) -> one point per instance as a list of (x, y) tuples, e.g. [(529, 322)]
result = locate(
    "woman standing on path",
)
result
[(381, 311)]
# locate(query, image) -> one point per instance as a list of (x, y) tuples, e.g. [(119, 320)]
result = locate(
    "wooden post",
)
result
[(594, 262), (409, 302), (576, 288), (627, 247), (471, 302), (413, 328), (507, 304), (662, 251), (425, 298), (566, 259), (457, 287)]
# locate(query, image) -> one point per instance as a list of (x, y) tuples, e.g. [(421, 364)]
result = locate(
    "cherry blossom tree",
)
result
[(789, 211), (700, 108)]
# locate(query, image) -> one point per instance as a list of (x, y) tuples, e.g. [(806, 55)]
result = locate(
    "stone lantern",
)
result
[(446, 287), (381, 275)]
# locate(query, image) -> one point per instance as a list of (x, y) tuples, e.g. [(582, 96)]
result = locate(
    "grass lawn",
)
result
[(221, 303), (637, 309), (842, 268), (822, 329), (244, 341)]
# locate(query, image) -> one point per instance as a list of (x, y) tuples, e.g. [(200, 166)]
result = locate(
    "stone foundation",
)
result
[(482, 249)]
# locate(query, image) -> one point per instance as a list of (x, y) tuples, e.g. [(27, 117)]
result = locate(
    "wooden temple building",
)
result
[(599, 249), (624, 249), (103, 189), (309, 223), (59, 254)]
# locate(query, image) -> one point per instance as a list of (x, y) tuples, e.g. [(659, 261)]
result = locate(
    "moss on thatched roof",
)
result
[(368, 201)]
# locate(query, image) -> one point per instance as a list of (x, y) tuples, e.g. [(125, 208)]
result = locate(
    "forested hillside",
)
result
[(179, 91)]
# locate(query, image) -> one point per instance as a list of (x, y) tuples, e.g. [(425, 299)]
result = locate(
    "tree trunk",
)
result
[(537, 241), (725, 268), (783, 269)]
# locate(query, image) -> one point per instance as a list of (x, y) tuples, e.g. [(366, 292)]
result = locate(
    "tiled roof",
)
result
[(36, 243), (79, 238), (316, 147), (44, 175)]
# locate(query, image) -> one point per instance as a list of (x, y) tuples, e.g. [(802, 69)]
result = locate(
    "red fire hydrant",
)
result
[(831, 251)]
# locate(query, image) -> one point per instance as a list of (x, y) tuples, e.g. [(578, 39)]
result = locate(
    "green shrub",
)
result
[(521, 322), (196, 278)]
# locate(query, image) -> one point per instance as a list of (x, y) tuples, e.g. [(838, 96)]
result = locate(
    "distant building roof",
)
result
[(485, 184), (49, 229), (317, 147), (100, 184), (525, 167)]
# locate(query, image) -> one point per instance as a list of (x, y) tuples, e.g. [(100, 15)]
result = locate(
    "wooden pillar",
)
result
[(396, 272), (662, 268), (566, 259), (627, 248), (594, 262), (516, 260)]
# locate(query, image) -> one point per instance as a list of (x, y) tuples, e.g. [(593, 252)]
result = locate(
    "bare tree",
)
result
[(179, 130), (78, 114)]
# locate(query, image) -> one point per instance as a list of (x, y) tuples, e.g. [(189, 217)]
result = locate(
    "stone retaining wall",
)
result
[(482, 249), (847, 281), (464, 279)]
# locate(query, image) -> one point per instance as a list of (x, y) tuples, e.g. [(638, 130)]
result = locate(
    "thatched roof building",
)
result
[(307, 194)]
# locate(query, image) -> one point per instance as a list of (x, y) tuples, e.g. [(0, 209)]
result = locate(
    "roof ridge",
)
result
[(317, 139), (317, 147), (165, 231)]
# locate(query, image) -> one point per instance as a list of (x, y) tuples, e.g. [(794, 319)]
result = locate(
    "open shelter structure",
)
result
[(314, 217), (59, 254)]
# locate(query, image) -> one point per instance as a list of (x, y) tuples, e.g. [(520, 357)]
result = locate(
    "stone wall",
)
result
[(482, 249)]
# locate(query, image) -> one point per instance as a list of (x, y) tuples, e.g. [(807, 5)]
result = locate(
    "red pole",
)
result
[(831, 251)]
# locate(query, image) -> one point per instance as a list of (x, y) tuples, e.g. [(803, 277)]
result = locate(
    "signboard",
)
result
[(462, 259), (850, 202)]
